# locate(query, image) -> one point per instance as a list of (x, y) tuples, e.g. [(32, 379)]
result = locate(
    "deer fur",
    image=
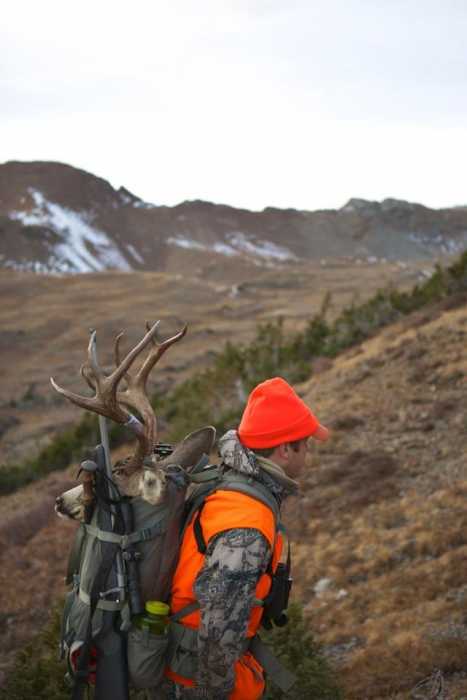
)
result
[(147, 483)]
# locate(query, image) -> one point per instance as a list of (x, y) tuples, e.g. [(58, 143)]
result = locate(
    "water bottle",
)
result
[(155, 617)]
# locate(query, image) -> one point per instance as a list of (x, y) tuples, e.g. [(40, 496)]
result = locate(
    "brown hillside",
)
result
[(382, 514)]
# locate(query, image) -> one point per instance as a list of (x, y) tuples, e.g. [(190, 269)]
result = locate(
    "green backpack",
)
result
[(99, 607)]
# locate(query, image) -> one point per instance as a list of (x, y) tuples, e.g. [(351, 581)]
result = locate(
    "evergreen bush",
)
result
[(295, 646), (64, 449), (38, 673)]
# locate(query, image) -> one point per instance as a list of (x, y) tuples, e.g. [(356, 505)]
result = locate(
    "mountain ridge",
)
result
[(58, 219)]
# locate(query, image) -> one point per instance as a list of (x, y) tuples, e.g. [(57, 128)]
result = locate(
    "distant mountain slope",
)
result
[(57, 219)]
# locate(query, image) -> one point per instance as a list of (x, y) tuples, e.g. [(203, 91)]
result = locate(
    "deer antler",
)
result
[(135, 394), (109, 400)]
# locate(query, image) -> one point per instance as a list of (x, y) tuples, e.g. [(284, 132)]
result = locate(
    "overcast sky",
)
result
[(287, 103)]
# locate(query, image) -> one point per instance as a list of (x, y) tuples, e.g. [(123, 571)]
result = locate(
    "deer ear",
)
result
[(190, 450)]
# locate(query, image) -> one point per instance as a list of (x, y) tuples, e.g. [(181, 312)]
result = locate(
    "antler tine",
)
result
[(155, 355), (89, 370), (91, 363), (117, 351), (112, 402), (148, 327), (131, 398), (146, 430), (125, 365), (91, 403), (135, 397), (117, 347), (84, 371), (104, 402), (75, 398)]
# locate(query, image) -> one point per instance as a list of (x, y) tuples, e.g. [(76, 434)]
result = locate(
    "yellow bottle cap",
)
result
[(155, 607)]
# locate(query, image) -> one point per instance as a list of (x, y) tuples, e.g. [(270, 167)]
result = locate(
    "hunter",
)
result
[(224, 579)]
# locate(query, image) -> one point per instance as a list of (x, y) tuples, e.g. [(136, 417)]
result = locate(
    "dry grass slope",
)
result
[(384, 515)]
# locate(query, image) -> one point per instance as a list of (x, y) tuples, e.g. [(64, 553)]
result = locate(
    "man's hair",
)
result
[(267, 451)]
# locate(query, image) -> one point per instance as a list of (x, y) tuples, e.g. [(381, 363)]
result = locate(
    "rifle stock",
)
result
[(111, 667)]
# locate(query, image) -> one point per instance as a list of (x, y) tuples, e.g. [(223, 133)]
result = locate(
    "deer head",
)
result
[(140, 474)]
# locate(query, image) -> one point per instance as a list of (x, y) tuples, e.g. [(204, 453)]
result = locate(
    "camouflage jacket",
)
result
[(225, 586)]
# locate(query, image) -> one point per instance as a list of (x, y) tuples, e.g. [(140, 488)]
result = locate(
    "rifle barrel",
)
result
[(104, 434)]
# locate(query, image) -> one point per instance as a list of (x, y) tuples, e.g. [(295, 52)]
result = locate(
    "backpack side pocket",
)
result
[(146, 658)]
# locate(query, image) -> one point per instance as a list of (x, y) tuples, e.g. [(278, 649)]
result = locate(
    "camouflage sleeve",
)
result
[(225, 588)]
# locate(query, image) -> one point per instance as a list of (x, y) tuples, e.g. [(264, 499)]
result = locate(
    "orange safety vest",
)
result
[(226, 510)]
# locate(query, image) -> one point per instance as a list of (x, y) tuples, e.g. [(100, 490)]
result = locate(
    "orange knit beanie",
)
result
[(274, 414)]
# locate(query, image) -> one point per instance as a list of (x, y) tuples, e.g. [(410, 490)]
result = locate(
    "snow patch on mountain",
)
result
[(225, 249), (187, 243), (445, 245), (262, 249), (28, 266), (237, 243), (132, 250), (124, 199), (83, 248)]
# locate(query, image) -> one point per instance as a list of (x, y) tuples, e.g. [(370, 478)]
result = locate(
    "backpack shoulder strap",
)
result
[(215, 479), (236, 481), (206, 482)]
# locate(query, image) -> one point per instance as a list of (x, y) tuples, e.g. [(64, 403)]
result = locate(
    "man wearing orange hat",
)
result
[(231, 547), (275, 418)]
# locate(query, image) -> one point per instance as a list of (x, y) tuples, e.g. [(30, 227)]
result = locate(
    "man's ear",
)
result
[(283, 450)]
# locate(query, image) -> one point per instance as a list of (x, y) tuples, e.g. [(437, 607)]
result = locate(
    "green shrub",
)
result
[(457, 275), (38, 673), (295, 647), (64, 449), (13, 477)]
